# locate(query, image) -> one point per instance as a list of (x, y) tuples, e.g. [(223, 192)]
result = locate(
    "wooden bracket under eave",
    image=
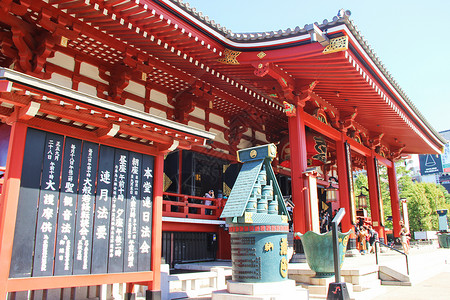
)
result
[(24, 113), (106, 133)]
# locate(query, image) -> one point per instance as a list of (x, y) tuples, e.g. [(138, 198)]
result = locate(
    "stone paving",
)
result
[(429, 268)]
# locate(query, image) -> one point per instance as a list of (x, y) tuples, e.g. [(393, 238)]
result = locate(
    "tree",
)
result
[(423, 199)]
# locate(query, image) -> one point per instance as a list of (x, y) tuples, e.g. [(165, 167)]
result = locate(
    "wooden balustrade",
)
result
[(186, 206)]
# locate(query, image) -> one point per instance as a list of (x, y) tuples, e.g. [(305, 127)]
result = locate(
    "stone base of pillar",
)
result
[(352, 253), (298, 258), (152, 295), (280, 290), (351, 248), (130, 296)]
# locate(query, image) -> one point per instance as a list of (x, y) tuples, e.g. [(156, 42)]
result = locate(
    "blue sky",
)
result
[(409, 37)]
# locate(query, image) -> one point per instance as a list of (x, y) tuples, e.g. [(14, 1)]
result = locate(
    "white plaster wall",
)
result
[(90, 71), (216, 119), (88, 89), (244, 144), (135, 88), (260, 136), (219, 136), (158, 112), (61, 80), (63, 60), (196, 125), (248, 132), (199, 113), (134, 104), (158, 97)]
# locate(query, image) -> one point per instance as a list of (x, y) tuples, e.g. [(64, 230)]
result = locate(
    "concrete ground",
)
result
[(436, 288), (429, 271)]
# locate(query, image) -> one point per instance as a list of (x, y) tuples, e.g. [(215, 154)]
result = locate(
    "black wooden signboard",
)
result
[(117, 228), (145, 214), (83, 208), (132, 213), (348, 155), (44, 246), (102, 216), (67, 207), (379, 199), (22, 253)]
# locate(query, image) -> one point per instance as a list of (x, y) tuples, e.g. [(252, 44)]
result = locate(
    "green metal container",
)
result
[(319, 251), (444, 239)]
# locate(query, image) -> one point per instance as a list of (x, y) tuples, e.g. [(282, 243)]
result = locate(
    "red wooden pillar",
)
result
[(373, 195), (344, 193), (395, 202), (9, 199), (299, 182), (154, 287)]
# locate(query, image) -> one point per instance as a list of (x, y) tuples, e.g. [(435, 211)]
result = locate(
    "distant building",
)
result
[(422, 165)]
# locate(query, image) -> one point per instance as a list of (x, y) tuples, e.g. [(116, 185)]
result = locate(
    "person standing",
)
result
[(362, 239), (209, 194), (373, 239), (404, 237)]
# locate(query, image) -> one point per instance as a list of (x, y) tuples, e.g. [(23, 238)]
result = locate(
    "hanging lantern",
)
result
[(362, 199), (331, 190)]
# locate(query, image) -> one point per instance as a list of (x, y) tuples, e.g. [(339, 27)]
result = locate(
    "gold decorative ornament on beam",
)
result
[(336, 45), (229, 57), (261, 55)]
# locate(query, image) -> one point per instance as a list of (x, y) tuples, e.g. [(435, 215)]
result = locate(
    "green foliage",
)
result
[(423, 198), (419, 209)]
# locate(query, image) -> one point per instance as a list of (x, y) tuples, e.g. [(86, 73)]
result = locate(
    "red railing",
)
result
[(2, 175), (186, 206)]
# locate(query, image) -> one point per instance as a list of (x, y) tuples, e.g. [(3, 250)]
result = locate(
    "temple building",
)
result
[(118, 117)]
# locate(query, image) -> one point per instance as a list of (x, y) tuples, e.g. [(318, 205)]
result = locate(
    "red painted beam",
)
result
[(280, 55), (395, 201), (9, 199), (158, 184), (188, 227), (321, 127)]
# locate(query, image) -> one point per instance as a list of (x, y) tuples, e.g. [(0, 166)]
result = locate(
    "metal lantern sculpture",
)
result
[(362, 198), (331, 190), (258, 220)]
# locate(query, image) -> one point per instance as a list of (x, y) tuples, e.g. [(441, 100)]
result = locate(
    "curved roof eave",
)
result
[(252, 41)]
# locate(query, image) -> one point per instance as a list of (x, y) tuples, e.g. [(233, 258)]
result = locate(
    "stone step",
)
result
[(394, 282), (389, 274)]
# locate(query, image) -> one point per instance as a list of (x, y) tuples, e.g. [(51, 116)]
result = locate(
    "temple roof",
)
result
[(169, 47), (252, 41), (343, 17)]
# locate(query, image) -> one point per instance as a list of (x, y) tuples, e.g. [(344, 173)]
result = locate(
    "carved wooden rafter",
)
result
[(359, 161), (395, 154), (284, 80), (29, 49), (290, 90), (321, 106), (304, 93), (348, 121), (375, 141), (118, 79), (239, 124), (32, 41), (185, 102)]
